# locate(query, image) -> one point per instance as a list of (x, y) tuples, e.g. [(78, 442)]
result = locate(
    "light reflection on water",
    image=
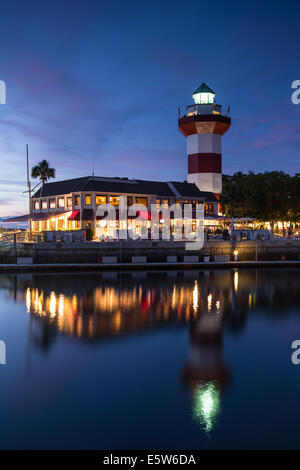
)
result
[(206, 404), (94, 308)]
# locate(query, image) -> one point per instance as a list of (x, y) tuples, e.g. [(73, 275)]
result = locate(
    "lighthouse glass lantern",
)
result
[(204, 95)]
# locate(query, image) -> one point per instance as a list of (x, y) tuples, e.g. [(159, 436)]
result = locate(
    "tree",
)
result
[(270, 196), (44, 172)]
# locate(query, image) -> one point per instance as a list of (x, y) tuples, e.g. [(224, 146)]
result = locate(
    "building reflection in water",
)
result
[(95, 307)]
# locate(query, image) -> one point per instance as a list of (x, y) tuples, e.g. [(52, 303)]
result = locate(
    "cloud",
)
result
[(278, 134)]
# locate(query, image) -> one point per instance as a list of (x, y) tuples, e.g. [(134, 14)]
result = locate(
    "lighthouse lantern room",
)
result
[(203, 126)]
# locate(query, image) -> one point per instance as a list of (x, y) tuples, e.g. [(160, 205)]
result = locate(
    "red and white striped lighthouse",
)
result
[(203, 126)]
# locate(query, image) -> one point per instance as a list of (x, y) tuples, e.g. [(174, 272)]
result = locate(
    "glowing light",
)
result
[(28, 299), (195, 296), (218, 306), (52, 305), (61, 305), (209, 302), (207, 404), (236, 281), (203, 98)]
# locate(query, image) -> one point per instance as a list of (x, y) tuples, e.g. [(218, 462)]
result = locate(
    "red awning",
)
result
[(143, 215), (87, 214), (74, 215)]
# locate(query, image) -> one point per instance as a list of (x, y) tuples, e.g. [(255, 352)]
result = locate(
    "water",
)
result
[(196, 360)]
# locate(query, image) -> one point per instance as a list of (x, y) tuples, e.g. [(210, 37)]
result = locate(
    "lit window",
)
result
[(129, 201), (69, 201), (77, 200), (114, 200), (61, 202), (203, 98), (142, 200), (100, 200), (44, 205), (216, 112), (52, 204), (36, 205), (165, 202), (88, 200)]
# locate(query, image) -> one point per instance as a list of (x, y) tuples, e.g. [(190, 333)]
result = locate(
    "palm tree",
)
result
[(44, 172)]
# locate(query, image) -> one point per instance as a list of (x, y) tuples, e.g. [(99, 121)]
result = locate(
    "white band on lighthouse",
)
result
[(211, 182)]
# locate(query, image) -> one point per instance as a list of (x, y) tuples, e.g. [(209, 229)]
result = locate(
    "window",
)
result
[(100, 200), (203, 98), (52, 204), (60, 224), (36, 205), (61, 202), (77, 200), (209, 208), (114, 200), (69, 201), (165, 202), (129, 201), (157, 202), (88, 200), (142, 200), (35, 226), (45, 204)]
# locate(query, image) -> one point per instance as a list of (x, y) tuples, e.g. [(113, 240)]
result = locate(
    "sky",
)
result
[(99, 83)]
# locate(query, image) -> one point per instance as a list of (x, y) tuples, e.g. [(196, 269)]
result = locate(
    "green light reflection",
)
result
[(206, 404)]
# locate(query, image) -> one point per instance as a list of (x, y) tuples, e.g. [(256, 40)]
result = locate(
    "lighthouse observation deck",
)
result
[(204, 124), (196, 109)]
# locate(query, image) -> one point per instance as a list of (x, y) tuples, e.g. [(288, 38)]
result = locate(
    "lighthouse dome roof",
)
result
[(203, 88)]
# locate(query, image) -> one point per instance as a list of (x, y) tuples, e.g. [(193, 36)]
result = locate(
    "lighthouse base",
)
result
[(211, 182)]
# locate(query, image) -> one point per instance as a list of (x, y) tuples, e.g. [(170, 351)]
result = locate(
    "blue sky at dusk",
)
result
[(102, 81)]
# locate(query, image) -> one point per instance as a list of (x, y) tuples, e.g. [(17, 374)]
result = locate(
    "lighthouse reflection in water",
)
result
[(150, 360), (113, 306)]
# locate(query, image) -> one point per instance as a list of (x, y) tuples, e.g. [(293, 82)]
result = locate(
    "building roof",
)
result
[(17, 219), (123, 186), (203, 88)]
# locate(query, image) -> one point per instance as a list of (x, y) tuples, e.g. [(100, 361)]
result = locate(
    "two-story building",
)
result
[(72, 204)]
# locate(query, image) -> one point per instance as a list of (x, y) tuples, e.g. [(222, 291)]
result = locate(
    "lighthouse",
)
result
[(203, 126)]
